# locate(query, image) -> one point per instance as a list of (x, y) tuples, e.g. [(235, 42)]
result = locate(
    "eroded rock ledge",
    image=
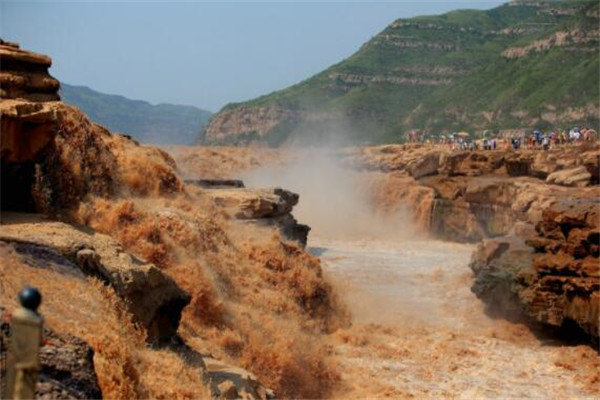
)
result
[(480, 194), (25, 75), (153, 298), (551, 274), (265, 207)]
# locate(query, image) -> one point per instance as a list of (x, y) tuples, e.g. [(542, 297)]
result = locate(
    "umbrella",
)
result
[(463, 134)]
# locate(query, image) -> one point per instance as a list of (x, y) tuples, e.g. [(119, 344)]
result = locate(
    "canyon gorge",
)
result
[(392, 271)]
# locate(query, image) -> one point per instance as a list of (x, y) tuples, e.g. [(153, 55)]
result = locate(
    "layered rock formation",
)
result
[(481, 194), (25, 75), (550, 274)]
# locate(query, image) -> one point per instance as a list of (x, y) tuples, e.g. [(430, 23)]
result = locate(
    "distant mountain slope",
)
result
[(520, 65), (147, 123)]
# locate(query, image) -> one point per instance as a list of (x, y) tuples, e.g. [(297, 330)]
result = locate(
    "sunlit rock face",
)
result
[(52, 155), (29, 120), (551, 273), (25, 75)]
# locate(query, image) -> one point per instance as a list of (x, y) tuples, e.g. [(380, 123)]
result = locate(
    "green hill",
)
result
[(518, 66), (147, 123)]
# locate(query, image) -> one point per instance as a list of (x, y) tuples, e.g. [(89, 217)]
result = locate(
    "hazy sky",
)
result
[(205, 54)]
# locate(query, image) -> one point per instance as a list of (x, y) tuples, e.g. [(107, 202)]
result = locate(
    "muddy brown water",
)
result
[(419, 331)]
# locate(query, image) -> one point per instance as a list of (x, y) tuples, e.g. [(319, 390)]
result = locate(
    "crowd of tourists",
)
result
[(535, 140)]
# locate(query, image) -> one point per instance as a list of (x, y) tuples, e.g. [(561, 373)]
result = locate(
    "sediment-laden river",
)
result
[(419, 331)]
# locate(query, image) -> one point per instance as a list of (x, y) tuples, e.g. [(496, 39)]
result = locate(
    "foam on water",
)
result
[(419, 331)]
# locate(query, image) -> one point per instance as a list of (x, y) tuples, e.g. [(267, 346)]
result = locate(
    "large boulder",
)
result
[(255, 203), (502, 267), (265, 207), (424, 166), (231, 382)]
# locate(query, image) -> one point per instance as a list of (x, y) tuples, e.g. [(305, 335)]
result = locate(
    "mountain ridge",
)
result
[(518, 66), (162, 123)]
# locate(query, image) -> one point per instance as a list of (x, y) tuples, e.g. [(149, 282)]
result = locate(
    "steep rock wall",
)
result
[(551, 274), (245, 121)]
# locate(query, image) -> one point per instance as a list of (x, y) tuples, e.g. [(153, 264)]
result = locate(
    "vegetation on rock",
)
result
[(518, 66)]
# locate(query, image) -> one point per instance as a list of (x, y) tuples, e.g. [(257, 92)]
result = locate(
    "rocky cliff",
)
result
[(533, 213), (551, 274), (483, 193), (250, 122), (541, 208), (125, 252)]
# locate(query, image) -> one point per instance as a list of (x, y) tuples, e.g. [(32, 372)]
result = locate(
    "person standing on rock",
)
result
[(545, 142)]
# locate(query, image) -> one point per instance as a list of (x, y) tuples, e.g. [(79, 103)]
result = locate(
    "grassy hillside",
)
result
[(147, 123), (520, 65)]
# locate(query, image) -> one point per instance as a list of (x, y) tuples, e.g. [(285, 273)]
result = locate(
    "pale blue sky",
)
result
[(205, 54)]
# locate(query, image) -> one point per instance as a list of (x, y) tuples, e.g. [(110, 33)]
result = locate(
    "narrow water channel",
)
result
[(419, 331)]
